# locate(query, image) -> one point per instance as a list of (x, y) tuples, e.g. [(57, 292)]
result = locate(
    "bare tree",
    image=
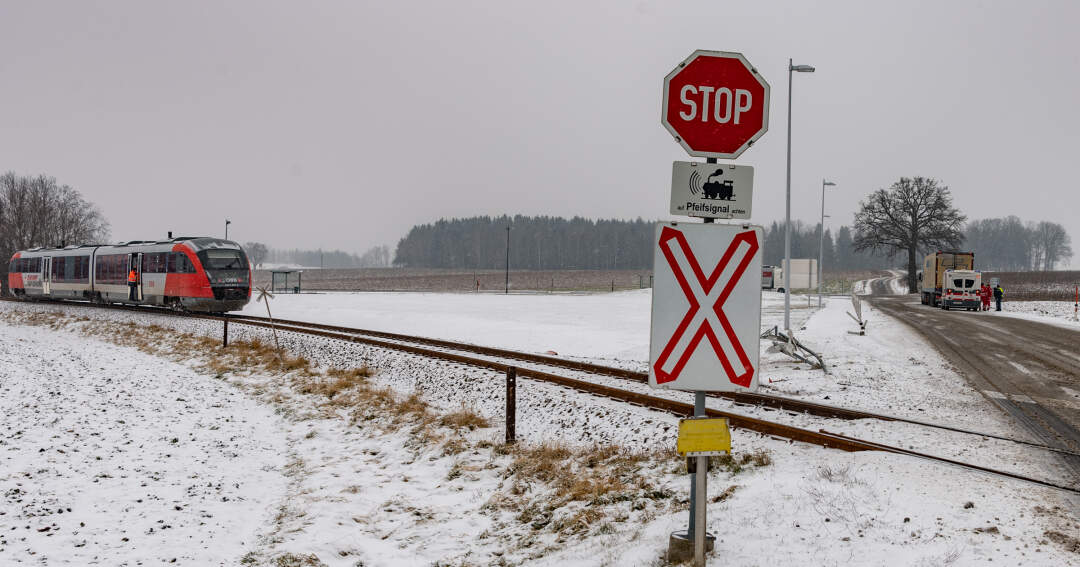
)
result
[(36, 211), (257, 252), (914, 215), (1050, 244)]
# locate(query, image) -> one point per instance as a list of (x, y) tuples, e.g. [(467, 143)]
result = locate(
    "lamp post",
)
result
[(787, 217), (227, 223), (821, 243), (507, 289)]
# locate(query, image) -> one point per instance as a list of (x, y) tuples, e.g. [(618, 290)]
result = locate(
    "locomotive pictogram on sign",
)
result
[(710, 190), (706, 327)]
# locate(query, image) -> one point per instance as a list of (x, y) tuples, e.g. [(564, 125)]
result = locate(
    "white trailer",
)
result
[(803, 274)]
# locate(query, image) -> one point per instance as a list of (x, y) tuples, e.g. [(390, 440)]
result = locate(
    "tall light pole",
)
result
[(821, 243), (227, 223), (787, 218), (507, 289)]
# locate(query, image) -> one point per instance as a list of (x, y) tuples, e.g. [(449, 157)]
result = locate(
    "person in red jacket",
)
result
[(985, 293)]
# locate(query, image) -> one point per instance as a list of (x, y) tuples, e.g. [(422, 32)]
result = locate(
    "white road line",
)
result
[(995, 394), (1020, 367), (1021, 398)]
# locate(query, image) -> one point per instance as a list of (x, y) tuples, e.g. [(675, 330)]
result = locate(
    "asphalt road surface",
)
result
[(1031, 370)]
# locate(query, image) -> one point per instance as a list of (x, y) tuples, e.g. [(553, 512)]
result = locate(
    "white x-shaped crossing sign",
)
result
[(706, 317)]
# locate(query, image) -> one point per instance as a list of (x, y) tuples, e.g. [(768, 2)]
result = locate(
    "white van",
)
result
[(960, 288)]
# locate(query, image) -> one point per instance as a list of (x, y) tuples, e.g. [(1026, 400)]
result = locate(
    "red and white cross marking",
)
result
[(711, 292)]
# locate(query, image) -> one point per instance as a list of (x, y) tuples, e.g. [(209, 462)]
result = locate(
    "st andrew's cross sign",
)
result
[(706, 309), (715, 104)]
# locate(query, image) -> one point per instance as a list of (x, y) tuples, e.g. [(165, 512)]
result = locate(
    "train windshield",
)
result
[(223, 259)]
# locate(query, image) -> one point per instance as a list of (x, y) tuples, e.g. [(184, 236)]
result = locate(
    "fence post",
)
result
[(225, 334), (511, 405)]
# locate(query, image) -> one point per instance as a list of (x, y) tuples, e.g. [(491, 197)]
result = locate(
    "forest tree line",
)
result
[(1011, 245), (374, 257), (556, 243)]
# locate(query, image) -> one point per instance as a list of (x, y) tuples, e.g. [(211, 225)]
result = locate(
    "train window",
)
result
[(111, 269), (223, 260), (179, 263), (153, 263), (82, 272)]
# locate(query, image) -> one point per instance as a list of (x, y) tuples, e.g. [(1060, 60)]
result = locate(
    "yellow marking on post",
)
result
[(699, 437)]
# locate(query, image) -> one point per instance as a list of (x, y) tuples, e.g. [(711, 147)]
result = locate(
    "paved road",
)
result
[(1031, 370)]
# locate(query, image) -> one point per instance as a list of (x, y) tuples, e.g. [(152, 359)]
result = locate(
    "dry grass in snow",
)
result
[(543, 496)]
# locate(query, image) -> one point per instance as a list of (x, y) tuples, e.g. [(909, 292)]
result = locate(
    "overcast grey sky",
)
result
[(342, 124)]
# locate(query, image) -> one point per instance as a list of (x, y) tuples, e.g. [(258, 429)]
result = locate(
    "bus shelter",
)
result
[(279, 281)]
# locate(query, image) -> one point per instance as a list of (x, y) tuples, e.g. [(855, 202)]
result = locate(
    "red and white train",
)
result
[(188, 273)]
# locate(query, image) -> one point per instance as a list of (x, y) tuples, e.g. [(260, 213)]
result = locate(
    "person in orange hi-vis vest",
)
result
[(133, 285)]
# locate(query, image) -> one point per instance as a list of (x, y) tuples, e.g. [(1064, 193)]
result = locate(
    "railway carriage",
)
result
[(188, 273)]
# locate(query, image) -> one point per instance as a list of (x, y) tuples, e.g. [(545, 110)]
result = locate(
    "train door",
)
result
[(46, 275), (136, 263)]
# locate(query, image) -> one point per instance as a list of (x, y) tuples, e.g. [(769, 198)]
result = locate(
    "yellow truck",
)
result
[(933, 273)]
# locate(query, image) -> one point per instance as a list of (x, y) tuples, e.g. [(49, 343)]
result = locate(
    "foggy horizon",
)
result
[(342, 125)]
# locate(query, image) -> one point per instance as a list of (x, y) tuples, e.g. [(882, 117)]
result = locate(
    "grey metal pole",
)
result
[(787, 214), (507, 290), (821, 244), (700, 481), (787, 218), (699, 411)]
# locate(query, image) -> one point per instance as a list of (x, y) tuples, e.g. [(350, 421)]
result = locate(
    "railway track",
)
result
[(740, 398), (501, 360)]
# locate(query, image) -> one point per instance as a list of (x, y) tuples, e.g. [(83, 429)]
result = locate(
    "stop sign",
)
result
[(715, 104)]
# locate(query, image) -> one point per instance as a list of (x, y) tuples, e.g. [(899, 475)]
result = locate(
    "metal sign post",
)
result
[(706, 300), (699, 438)]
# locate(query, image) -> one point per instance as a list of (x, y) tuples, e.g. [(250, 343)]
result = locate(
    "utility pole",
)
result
[(821, 242), (507, 290), (227, 223), (787, 218)]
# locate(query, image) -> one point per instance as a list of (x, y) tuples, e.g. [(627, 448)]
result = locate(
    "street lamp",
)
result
[(787, 221), (821, 243), (227, 223), (507, 289)]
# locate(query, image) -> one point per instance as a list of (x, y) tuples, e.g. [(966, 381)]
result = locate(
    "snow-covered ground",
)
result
[(372, 496), (1061, 313), (614, 325), (110, 456)]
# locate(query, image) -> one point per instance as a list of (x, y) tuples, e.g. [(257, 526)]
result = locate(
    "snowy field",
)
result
[(114, 457), (1062, 313), (263, 473)]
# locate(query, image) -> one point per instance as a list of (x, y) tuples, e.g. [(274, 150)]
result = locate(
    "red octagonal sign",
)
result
[(715, 104)]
